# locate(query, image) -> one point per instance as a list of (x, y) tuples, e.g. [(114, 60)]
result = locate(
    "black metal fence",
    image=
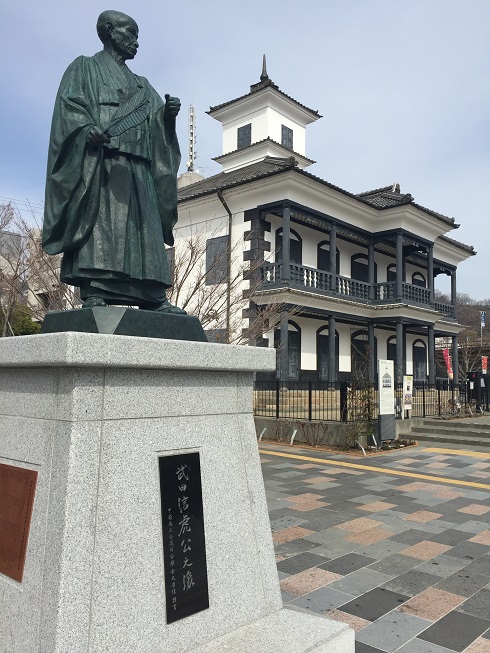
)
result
[(335, 402)]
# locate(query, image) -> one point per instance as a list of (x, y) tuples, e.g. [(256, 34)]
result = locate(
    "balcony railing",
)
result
[(315, 280)]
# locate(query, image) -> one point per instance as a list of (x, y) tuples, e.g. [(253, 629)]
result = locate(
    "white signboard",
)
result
[(407, 392), (386, 387)]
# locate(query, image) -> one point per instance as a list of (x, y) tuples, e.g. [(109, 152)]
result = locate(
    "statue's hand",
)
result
[(96, 137), (172, 106)]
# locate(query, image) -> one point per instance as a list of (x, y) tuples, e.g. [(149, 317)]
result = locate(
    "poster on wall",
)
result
[(407, 392), (386, 387)]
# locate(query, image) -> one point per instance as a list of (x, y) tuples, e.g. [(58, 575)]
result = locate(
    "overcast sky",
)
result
[(403, 87)]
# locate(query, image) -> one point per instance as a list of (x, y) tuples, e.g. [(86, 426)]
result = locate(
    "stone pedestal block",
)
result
[(93, 414)]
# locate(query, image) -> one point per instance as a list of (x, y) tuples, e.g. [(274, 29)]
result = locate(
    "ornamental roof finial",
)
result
[(264, 76)]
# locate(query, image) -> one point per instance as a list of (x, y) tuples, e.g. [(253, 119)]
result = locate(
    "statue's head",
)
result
[(119, 32)]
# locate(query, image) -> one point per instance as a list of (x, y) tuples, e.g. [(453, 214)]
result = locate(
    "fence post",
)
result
[(343, 401), (423, 399), (278, 384), (310, 410), (439, 399)]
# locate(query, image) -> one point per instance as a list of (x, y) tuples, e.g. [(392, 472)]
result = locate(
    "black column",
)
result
[(430, 273), (283, 348), (455, 361), (333, 257), (371, 270), (372, 359), (332, 367), (453, 292), (432, 355), (286, 243), (399, 266), (399, 363)]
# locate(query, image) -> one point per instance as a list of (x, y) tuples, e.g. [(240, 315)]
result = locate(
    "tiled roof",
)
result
[(266, 168), (390, 196), (467, 248), (255, 88), (271, 166), (264, 140)]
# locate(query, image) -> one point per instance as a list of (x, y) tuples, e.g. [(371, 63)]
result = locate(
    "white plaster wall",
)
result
[(259, 120), (275, 120)]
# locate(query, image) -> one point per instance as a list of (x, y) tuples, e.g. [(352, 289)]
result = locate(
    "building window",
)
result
[(294, 349), (244, 136), (323, 257), (216, 260), (418, 279), (361, 355), (419, 354), (391, 272), (295, 247), (322, 353), (391, 349), (359, 268), (287, 137)]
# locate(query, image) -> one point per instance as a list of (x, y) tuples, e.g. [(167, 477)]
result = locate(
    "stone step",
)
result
[(438, 438), (457, 424), (433, 430)]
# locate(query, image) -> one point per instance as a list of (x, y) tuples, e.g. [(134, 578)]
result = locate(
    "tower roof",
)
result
[(264, 83)]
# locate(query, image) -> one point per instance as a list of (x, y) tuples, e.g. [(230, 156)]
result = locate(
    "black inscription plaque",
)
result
[(17, 488), (184, 546)]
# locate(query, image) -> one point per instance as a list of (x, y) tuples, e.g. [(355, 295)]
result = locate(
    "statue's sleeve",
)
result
[(165, 165), (73, 172)]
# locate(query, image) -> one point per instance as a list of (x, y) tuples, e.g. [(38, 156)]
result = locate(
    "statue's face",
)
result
[(124, 37)]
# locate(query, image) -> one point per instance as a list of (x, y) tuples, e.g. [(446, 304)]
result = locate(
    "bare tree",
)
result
[(29, 278), (211, 288)]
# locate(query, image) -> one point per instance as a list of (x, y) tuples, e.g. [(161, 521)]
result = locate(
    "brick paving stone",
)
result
[(359, 524), (374, 604), (394, 565), (463, 582), (307, 581), (468, 550), (412, 582), (451, 537), (417, 645), (355, 622), (307, 496), (411, 536), (365, 648), (392, 631), (425, 550), (455, 630), (301, 562), (321, 600), (378, 506), (290, 534), (432, 604), (481, 538), (423, 516), (480, 645), (370, 536), (477, 605), (347, 564), (308, 506)]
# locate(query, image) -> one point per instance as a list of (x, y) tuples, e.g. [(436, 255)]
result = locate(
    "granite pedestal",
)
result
[(92, 414)]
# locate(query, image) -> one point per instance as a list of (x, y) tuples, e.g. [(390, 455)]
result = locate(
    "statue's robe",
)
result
[(110, 209)]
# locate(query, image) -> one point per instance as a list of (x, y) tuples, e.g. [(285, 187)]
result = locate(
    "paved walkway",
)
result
[(397, 545)]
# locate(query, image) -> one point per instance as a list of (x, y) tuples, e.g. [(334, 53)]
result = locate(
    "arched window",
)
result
[(419, 357), (323, 257), (294, 348), (391, 272), (418, 279), (391, 349), (359, 268), (295, 247), (322, 355), (360, 355)]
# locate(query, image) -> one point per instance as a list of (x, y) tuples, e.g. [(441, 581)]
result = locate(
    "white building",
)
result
[(374, 295)]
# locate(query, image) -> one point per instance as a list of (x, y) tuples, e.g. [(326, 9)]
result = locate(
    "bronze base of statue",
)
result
[(123, 321)]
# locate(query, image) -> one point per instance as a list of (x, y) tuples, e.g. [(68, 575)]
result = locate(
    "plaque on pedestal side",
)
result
[(184, 546), (17, 488)]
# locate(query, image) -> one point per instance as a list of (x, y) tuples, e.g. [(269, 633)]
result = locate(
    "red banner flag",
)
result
[(484, 364), (447, 360)]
